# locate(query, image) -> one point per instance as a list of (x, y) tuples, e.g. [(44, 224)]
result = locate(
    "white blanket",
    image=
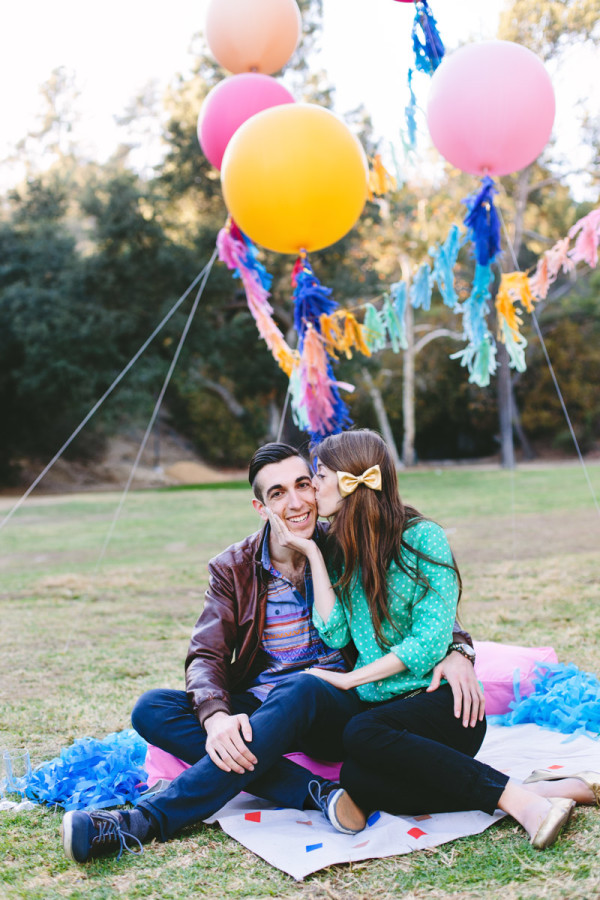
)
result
[(301, 842)]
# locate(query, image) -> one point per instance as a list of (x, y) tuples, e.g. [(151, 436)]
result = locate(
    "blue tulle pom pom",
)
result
[(92, 774), (564, 699)]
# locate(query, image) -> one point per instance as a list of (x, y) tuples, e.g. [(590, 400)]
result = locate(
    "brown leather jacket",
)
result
[(224, 655)]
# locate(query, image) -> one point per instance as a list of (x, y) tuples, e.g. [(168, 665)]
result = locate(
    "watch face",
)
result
[(468, 650)]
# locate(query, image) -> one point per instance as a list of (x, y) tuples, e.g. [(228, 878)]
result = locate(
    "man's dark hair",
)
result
[(264, 456)]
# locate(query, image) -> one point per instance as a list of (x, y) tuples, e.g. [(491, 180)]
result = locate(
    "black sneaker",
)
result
[(87, 835), (326, 796)]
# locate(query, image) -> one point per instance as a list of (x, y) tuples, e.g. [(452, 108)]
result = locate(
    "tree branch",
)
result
[(235, 408), (433, 335)]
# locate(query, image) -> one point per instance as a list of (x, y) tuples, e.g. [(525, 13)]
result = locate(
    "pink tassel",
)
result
[(317, 397), (586, 245), (539, 283), (548, 267), (558, 258), (234, 253)]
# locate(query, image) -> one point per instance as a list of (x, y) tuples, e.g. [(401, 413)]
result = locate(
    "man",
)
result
[(249, 699)]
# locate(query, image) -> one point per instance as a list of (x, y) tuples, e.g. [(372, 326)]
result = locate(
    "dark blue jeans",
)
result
[(411, 756), (304, 713)]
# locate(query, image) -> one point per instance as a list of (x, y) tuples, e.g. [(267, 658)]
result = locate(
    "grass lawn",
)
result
[(81, 638)]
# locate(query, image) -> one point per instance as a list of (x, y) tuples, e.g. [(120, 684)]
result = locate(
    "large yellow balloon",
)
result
[(294, 178), (253, 35)]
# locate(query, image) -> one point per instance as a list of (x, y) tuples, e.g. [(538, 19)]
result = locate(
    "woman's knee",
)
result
[(361, 735)]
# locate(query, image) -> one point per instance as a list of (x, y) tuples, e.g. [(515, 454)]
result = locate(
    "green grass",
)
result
[(80, 640)]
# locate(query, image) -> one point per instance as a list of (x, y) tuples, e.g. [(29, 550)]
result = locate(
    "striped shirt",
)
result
[(290, 642)]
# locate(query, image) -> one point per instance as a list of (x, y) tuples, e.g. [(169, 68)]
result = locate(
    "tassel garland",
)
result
[(239, 254)]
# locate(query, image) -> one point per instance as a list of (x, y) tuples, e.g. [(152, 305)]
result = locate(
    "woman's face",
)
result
[(328, 495)]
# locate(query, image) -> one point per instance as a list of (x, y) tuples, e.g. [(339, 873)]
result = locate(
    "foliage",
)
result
[(91, 259)]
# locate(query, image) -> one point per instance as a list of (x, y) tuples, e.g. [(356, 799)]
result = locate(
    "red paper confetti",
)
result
[(253, 817)]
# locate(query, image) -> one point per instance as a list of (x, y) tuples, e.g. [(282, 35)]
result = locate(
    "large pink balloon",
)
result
[(491, 108), (230, 104), (253, 35)]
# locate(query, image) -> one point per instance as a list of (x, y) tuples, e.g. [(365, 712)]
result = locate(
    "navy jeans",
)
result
[(303, 713), (411, 756)]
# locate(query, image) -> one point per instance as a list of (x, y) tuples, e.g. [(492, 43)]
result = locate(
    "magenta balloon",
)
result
[(491, 108), (231, 103)]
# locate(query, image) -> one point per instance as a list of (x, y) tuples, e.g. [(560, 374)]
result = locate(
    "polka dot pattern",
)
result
[(423, 617)]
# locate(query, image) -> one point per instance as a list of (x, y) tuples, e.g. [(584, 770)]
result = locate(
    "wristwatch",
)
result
[(464, 649)]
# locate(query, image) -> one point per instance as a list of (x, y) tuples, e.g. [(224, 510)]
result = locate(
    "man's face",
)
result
[(287, 490)]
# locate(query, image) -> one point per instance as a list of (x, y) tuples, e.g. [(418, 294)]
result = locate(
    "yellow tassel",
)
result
[(380, 180), (331, 332), (506, 310), (354, 336), (517, 284)]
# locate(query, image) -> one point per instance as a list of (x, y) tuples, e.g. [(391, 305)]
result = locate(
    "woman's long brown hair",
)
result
[(367, 532)]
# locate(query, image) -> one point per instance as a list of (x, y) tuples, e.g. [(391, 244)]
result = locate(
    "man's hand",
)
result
[(286, 538), (468, 696), (224, 742)]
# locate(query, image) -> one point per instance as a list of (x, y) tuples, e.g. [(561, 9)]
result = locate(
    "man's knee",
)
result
[(299, 695), (149, 711)]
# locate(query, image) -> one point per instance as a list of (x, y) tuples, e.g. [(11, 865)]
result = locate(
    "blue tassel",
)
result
[(253, 263), (410, 114), (311, 300), (515, 347), (483, 222), (421, 287), (398, 292), (475, 308), (444, 260), (479, 359), (394, 324), (429, 52), (374, 329)]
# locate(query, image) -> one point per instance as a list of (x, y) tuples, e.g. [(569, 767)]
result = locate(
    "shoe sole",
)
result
[(333, 817), (66, 835)]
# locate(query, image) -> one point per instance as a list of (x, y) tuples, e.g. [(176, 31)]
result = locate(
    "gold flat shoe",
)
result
[(556, 819), (590, 779)]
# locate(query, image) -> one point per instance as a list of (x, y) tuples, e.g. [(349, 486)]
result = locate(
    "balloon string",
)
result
[(157, 406), (538, 331), (283, 414), (104, 396)]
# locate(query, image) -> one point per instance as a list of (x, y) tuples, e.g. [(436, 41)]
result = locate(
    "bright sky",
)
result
[(115, 48)]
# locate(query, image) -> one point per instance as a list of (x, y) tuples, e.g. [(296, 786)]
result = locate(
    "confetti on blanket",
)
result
[(299, 843), (92, 774)]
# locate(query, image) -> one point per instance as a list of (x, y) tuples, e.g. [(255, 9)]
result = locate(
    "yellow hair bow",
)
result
[(348, 483)]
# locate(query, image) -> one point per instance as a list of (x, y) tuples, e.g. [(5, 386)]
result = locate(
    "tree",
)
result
[(548, 28)]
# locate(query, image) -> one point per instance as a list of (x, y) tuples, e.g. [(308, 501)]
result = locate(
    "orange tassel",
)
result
[(380, 180), (354, 336), (517, 284)]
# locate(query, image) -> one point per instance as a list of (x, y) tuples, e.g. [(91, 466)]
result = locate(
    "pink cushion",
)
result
[(495, 667), (160, 764)]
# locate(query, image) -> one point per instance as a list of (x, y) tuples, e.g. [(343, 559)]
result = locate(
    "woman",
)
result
[(395, 592)]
